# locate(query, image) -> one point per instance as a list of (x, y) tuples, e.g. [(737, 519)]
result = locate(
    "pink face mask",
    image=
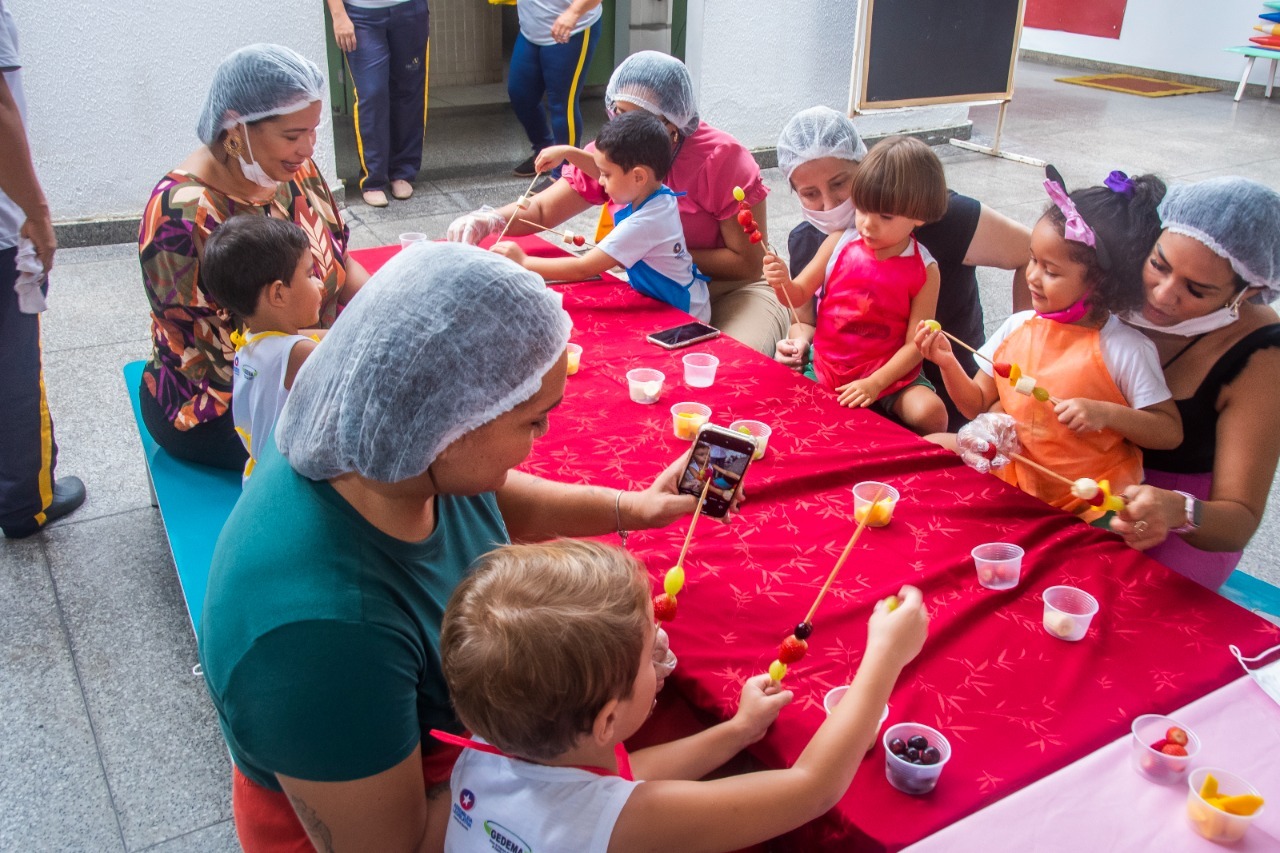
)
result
[(1071, 314)]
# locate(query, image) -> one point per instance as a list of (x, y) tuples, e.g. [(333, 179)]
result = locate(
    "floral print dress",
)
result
[(190, 369)]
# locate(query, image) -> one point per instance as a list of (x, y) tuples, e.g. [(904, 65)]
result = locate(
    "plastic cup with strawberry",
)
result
[(1162, 748)]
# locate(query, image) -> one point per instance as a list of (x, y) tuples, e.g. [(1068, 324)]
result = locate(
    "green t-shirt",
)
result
[(320, 636)]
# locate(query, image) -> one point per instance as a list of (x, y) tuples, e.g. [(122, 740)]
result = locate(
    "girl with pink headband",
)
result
[(1091, 389)]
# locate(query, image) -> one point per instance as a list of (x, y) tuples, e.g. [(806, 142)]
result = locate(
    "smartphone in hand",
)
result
[(720, 456)]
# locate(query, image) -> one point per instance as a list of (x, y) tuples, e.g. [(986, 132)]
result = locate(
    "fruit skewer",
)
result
[(521, 204), (567, 236), (754, 234), (664, 604), (1003, 369)]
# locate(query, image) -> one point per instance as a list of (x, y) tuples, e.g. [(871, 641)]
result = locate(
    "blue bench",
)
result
[(194, 502), (1253, 594)]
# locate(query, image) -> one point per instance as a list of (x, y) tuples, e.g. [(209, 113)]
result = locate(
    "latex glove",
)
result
[(30, 278), (475, 226)]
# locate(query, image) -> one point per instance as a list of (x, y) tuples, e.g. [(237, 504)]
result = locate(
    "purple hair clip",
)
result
[(1119, 182)]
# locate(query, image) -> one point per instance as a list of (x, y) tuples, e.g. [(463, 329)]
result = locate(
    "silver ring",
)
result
[(1139, 527)]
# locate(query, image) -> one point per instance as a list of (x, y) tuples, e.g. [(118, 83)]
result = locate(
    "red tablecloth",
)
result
[(1015, 703)]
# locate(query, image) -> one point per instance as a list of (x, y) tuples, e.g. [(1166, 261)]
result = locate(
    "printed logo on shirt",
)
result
[(248, 372), (504, 840), (678, 248), (466, 802)]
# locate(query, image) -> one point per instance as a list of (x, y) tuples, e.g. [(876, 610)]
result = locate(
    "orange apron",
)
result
[(1066, 360)]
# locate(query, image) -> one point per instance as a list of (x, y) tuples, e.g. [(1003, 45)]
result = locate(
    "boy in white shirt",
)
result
[(631, 159), (260, 270), (547, 650)]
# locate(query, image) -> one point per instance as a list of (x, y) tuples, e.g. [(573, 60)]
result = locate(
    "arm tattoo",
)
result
[(320, 834)]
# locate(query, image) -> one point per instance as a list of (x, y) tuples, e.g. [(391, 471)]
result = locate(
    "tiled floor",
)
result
[(109, 742)]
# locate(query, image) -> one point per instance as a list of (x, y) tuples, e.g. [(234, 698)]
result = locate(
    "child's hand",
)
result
[(777, 276), (550, 157), (790, 351), (762, 700), (509, 250), (1081, 415), (933, 345), (860, 393), (898, 634)]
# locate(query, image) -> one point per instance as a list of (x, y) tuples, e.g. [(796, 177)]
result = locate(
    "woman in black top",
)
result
[(819, 151), (1208, 281)]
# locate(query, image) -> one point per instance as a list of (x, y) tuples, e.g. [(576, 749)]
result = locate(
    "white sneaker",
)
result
[(401, 189), (375, 198)]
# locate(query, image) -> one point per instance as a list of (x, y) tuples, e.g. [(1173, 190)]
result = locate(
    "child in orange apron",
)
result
[(1090, 388), (874, 283)]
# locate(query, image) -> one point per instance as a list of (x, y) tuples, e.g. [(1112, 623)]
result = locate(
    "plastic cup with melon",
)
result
[(1221, 805), (876, 514)]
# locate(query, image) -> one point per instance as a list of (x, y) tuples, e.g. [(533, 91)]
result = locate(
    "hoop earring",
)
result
[(233, 146)]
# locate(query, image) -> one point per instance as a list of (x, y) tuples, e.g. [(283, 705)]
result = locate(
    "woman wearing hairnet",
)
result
[(391, 471), (706, 165), (258, 129), (819, 151), (1220, 347)]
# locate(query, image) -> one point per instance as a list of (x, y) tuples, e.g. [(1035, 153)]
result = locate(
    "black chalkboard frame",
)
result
[(860, 102)]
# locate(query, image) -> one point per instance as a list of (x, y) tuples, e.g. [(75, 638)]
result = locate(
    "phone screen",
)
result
[(722, 457), (680, 336)]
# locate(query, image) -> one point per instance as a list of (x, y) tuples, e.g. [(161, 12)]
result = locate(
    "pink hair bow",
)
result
[(1075, 229)]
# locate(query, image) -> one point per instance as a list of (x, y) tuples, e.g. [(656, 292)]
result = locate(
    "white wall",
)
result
[(1179, 36), (113, 89), (757, 62)]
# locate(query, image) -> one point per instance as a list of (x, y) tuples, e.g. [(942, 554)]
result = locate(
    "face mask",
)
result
[(1267, 676), (839, 218), (1210, 322), (1070, 314), (252, 170)]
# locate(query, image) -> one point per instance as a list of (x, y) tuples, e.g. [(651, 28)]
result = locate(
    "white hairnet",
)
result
[(815, 133), (443, 339), (658, 83), (1238, 219), (257, 82)]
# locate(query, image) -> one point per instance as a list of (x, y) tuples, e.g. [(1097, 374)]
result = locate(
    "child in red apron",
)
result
[(1090, 388), (874, 283)]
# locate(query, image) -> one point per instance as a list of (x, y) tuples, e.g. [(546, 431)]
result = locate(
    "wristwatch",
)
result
[(1193, 509)]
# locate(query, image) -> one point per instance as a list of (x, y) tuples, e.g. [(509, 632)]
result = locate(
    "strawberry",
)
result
[(664, 607), (579, 240), (1159, 745), (756, 237), (1176, 735), (1002, 369), (1174, 749), (744, 218), (792, 649)]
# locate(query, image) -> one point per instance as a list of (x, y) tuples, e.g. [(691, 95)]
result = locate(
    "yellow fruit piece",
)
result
[(1210, 786), (933, 325), (744, 430), (1239, 804), (777, 670), (739, 194), (673, 582), (876, 515), (1015, 373), (891, 603)]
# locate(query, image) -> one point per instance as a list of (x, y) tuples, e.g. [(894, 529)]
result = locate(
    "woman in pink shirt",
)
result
[(706, 165)]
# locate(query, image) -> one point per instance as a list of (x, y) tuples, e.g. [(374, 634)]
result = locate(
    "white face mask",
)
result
[(1267, 675), (252, 170), (839, 218), (1210, 322)]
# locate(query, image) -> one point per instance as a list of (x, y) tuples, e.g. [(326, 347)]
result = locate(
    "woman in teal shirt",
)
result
[(391, 471)]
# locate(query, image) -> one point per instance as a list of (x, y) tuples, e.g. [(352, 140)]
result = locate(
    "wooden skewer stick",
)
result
[(853, 540), (541, 227), (954, 339), (516, 213), (1043, 470), (688, 537)]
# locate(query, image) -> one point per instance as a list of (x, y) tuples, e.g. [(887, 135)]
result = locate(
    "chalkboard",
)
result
[(917, 52)]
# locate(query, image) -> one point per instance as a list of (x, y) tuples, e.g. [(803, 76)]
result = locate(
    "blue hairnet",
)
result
[(815, 133), (442, 340), (658, 83), (257, 82), (1238, 219)]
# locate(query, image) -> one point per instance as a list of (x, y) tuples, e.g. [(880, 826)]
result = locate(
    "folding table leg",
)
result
[(1271, 78), (1248, 66)]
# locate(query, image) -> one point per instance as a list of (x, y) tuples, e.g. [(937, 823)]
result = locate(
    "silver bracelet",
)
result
[(617, 514)]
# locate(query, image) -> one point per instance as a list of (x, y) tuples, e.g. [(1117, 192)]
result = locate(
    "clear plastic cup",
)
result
[(864, 493), (1209, 820), (914, 778), (700, 369), (575, 358), (758, 430), (1068, 612), (645, 384), (999, 564), (1150, 762), (408, 238), (688, 418)]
